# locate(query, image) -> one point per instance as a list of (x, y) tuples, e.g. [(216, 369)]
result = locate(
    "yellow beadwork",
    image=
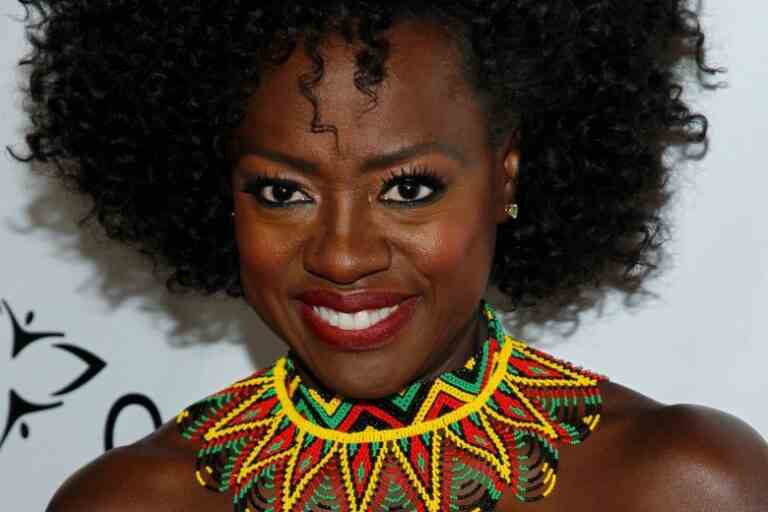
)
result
[(552, 479), (515, 378), (182, 416), (291, 497), (370, 486), (475, 403), (219, 430), (432, 502)]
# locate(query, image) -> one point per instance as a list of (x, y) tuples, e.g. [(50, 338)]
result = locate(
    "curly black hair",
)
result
[(133, 101)]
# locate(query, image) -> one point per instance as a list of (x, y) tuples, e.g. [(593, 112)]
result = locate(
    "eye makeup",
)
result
[(281, 189), (275, 190), (410, 178)]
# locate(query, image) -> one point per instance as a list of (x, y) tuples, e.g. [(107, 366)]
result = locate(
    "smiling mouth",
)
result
[(354, 321), (366, 329)]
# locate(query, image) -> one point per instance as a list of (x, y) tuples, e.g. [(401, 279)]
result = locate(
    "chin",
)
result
[(367, 385)]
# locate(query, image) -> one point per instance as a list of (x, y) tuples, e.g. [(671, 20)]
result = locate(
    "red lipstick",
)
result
[(355, 302), (375, 336)]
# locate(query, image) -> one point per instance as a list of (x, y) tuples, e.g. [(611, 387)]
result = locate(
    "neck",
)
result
[(466, 343)]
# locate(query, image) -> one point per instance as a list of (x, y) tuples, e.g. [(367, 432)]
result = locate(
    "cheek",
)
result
[(266, 253), (457, 251)]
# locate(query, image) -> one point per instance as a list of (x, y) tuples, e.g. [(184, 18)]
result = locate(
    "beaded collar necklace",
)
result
[(456, 442)]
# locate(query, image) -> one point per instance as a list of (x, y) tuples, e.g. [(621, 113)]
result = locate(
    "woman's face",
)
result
[(398, 209)]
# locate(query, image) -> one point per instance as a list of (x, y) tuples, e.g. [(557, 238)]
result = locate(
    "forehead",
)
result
[(423, 98)]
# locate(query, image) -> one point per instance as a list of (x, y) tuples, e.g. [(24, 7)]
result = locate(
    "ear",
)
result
[(510, 161)]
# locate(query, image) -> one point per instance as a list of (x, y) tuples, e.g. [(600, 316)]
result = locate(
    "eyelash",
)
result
[(418, 175), (257, 183)]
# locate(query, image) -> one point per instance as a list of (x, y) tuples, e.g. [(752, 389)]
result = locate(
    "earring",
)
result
[(512, 210), (233, 214)]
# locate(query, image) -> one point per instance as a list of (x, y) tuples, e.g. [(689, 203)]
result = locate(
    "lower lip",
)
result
[(375, 336)]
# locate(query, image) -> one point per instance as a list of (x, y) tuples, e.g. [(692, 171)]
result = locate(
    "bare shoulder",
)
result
[(677, 457), (154, 474), (698, 458)]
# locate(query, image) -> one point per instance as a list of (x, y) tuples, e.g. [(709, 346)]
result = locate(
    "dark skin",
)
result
[(346, 232), (644, 455)]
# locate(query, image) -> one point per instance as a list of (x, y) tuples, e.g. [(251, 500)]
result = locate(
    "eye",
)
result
[(275, 191), (409, 187)]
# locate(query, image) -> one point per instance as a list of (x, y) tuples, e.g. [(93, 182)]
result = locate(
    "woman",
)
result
[(359, 174)]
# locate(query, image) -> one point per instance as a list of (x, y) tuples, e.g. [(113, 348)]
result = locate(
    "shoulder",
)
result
[(154, 474), (682, 457), (645, 455)]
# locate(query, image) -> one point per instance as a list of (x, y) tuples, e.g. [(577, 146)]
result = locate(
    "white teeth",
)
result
[(361, 320), (353, 321), (346, 321), (334, 315)]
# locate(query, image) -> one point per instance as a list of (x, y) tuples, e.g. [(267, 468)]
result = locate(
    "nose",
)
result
[(345, 244)]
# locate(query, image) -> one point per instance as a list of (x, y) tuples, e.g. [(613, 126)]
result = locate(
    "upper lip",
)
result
[(352, 303)]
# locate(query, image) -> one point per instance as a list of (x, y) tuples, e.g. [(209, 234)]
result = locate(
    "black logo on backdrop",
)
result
[(123, 402), (22, 338), (19, 408)]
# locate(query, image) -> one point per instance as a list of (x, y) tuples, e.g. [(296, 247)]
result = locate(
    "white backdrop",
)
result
[(702, 339)]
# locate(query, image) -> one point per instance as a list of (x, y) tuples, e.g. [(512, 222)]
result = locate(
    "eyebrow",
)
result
[(372, 163), (402, 154)]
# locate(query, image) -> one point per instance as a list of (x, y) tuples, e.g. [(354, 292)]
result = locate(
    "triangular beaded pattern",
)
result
[(455, 443)]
